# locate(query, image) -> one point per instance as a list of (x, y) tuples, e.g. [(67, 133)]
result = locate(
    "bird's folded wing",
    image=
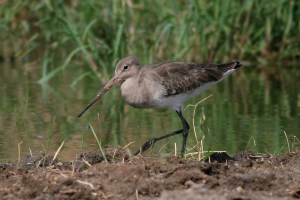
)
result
[(180, 77)]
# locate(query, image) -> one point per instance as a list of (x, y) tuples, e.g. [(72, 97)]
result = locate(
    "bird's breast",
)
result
[(143, 93)]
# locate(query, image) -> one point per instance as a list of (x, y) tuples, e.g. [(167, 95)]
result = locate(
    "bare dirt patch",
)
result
[(88, 177)]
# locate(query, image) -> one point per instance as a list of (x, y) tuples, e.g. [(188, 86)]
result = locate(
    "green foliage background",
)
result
[(101, 32)]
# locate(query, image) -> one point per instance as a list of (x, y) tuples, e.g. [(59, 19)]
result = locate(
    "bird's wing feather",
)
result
[(180, 77)]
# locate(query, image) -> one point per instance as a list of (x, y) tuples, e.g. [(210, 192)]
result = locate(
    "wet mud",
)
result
[(89, 176)]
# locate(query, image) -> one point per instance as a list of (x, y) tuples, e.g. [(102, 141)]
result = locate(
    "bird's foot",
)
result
[(146, 146)]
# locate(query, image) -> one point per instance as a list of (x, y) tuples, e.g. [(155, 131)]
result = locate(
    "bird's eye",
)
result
[(125, 67)]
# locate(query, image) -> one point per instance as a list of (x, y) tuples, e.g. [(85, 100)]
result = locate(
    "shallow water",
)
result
[(250, 110)]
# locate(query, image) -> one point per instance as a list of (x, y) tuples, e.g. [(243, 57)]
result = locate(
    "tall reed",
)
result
[(98, 33)]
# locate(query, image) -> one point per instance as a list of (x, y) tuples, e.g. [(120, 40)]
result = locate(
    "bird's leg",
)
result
[(183, 131)]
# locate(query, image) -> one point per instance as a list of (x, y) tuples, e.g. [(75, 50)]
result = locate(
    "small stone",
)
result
[(239, 189)]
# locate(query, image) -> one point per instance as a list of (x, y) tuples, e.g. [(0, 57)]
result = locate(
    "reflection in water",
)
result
[(248, 111)]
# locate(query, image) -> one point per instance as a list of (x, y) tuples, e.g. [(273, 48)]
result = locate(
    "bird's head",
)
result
[(126, 68)]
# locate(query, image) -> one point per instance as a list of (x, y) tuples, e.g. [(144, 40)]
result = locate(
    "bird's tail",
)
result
[(238, 64), (229, 66)]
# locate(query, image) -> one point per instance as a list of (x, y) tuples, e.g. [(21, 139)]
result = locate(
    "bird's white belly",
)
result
[(176, 101)]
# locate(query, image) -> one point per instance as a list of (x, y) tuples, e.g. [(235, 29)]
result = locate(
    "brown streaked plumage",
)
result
[(164, 85)]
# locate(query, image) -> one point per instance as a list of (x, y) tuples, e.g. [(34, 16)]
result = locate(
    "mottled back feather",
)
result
[(181, 77)]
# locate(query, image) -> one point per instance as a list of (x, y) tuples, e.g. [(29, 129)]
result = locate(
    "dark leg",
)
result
[(183, 131)]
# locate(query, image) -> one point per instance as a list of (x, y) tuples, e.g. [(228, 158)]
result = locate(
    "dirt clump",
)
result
[(244, 176)]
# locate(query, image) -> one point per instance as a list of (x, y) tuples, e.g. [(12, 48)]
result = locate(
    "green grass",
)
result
[(99, 143), (98, 33)]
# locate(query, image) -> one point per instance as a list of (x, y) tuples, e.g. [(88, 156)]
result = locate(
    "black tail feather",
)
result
[(238, 64), (228, 66)]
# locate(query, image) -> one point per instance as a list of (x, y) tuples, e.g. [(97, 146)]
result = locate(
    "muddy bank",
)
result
[(244, 176)]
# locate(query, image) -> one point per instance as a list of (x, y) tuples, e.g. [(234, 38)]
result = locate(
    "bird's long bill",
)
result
[(111, 83)]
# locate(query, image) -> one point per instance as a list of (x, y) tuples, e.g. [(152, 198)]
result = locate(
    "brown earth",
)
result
[(88, 177)]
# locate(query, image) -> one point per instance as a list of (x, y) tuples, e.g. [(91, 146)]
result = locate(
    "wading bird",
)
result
[(164, 85)]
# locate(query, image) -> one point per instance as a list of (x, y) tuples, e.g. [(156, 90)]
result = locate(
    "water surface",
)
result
[(250, 110)]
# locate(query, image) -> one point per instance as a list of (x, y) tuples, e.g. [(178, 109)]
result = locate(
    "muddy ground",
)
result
[(244, 176)]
